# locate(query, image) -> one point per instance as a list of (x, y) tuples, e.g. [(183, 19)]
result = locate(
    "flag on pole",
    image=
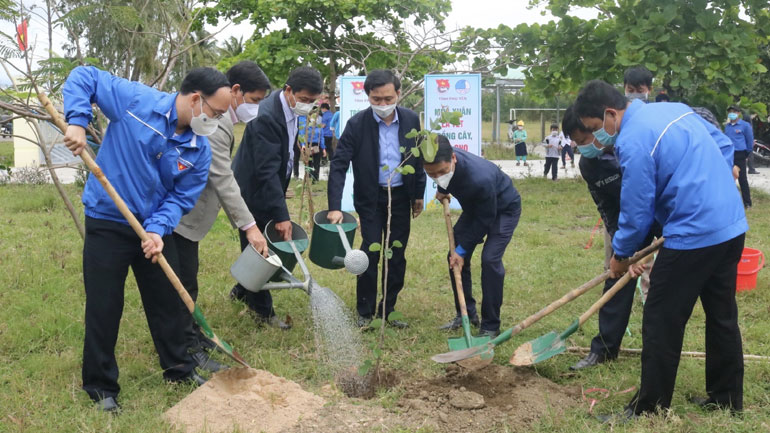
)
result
[(21, 35)]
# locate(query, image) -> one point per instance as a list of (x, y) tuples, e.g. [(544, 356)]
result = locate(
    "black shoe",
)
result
[(206, 363), (590, 360), (205, 343), (273, 322), (400, 324), (236, 294), (753, 172), (624, 417), (488, 333), (457, 323), (706, 403), (109, 405), (363, 322)]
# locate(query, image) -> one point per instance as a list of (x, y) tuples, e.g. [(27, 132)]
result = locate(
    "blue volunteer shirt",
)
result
[(389, 150), (677, 171), (158, 174), (335, 123), (315, 135), (326, 119), (741, 135)]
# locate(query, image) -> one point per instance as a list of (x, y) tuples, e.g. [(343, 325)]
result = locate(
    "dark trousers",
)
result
[(492, 272), (613, 319), (316, 162), (739, 159), (110, 248), (329, 143), (297, 158), (551, 163), (187, 252), (750, 162), (678, 279), (567, 150), (260, 302), (373, 226)]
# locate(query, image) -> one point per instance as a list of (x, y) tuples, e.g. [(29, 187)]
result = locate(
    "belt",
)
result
[(394, 188)]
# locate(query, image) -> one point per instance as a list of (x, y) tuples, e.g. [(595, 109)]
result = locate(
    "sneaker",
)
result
[(400, 324), (457, 323), (624, 417), (272, 321), (488, 333), (518, 163), (363, 322), (590, 360), (706, 403), (206, 363), (525, 164), (108, 405)]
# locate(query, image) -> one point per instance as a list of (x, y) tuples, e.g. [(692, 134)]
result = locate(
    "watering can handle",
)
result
[(343, 238)]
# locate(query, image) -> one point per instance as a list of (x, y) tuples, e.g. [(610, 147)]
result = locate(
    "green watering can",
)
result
[(331, 249)]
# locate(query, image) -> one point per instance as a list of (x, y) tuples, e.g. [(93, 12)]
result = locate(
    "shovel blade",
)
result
[(539, 349), (460, 343), (484, 352)]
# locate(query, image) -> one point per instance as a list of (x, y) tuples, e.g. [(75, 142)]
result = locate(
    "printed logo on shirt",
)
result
[(608, 180), (183, 164)]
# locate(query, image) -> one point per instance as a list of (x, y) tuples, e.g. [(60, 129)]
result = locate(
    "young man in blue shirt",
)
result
[(156, 156), (491, 209), (742, 136), (677, 172), (328, 133)]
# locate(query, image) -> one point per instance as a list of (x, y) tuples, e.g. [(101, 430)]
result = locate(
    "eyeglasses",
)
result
[(217, 114)]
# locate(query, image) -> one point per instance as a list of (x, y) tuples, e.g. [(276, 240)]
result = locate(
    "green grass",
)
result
[(6, 153), (42, 301)]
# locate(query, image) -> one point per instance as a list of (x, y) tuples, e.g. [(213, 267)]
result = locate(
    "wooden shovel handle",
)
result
[(611, 292), (585, 287), (456, 272), (122, 207)]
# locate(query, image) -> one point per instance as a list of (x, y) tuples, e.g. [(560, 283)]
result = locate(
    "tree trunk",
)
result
[(332, 82)]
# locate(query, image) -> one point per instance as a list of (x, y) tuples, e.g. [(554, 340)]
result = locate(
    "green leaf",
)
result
[(415, 151), (395, 315), (397, 244), (407, 169), (376, 323), (385, 167), (377, 352), (430, 147), (364, 368), (374, 247), (389, 253), (390, 333), (401, 149), (412, 134), (435, 124)]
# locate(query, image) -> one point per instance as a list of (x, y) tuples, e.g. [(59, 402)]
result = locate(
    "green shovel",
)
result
[(467, 340), (552, 344)]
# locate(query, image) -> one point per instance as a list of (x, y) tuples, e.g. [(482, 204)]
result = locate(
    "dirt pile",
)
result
[(246, 399), (461, 400)]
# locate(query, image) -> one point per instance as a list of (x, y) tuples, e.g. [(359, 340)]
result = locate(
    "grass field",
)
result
[(42, 301), (6, 153)]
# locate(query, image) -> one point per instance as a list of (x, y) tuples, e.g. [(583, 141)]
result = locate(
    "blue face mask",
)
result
[(603, 137), (732, 116), (590, 151)]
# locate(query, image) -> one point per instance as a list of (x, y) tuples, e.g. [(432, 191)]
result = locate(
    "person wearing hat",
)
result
[(742, 136), (520, 142)]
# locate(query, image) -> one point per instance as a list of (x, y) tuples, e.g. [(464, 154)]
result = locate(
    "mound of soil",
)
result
[(461, 400), (244, 399)]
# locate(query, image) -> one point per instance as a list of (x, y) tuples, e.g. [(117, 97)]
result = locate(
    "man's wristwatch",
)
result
[(619, 258)]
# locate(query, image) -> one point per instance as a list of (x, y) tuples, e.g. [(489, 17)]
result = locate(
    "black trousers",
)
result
[(329, 143), (739, 159), (492, 272), (260, 302), (613, 319), (567, 150), (110, 248), (316, 162), (373, 226), (297, 158), (551, 163), (187, 252), (678, 279)]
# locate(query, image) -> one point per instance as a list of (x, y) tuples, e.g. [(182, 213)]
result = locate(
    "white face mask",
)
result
[(301, 108), (640, 96), (202, 125), (444, 179), (246, 111), (384, 110), (554, 133)]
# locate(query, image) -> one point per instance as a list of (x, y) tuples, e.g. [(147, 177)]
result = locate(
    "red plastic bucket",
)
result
[(751, 262)]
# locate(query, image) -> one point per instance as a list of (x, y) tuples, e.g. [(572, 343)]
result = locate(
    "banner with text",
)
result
[(454, 92), (352, 100)]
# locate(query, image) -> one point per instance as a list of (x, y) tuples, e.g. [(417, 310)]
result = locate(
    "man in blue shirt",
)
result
[(491, 209), (742, 136), (156, 156), (676, 171), (317, 146), (326, 124), (372, 143)]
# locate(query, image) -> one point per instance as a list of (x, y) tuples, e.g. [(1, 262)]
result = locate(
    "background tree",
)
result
[(315, 30)]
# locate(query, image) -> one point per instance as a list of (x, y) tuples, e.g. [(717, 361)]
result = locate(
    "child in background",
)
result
[(566, 148), (552, 144), (520, 141)]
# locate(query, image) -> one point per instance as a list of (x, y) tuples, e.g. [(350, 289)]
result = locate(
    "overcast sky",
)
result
[(475, 13)]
